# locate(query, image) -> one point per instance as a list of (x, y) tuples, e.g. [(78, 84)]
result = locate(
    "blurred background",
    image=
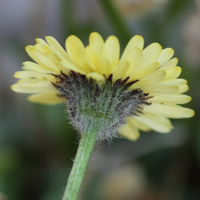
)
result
[(36, 142)]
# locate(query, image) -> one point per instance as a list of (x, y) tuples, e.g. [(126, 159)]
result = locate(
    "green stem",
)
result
[(76, 176)]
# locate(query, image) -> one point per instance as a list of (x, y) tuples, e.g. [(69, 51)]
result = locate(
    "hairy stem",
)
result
[(76, 176)]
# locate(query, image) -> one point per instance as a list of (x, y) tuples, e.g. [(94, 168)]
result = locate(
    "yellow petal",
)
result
[(35, 83), (150, 54), (170, 63), (92, 55), (50, 54), (161, 89), (172, 98), (137, 74), (49, 98), (156, 123), (137, 124), (96, 41), (165, 55), (45, 61), (26, 68), (170, 110), (175, 82), (134, 57), (64, 69), (41, 41), (111, 51), (57, 47), (136, 41), (182, 89), (86, 65), (38, 68), (129, 131), (151, 79), (104, 67), (66, 66), (121, 70), (75, 48), (96, 76), (39, 47), (173, 72), (37, 75), (26, 89), (32, 55)]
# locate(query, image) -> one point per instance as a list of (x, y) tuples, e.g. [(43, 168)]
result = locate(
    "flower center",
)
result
[(106, 105)]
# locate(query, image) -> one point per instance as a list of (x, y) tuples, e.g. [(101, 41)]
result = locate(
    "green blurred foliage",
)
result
[(37, 142)]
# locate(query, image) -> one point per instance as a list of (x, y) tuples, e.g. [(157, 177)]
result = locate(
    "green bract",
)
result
[(105, 105)]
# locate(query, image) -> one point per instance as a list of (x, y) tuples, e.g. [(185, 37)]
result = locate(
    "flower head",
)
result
[(138, 91)]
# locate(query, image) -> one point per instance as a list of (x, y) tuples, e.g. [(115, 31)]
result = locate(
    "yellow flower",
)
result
[(153, 69)]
